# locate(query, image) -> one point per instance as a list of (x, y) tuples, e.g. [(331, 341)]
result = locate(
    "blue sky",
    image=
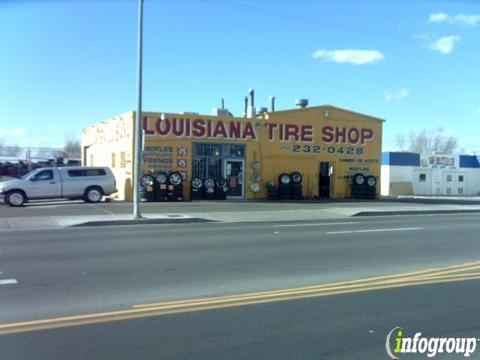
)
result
[(67, 64)]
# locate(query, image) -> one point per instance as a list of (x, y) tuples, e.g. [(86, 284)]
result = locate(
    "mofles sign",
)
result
[(243, 130)]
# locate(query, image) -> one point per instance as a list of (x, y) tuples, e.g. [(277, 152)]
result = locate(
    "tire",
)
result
[(161, 178), (197, 183), (297, 178), (147, 180), (93, 194), (209, 184), (15, 198), (270, 186), (371, 181), (358, 179), (175, 178), (221, 182), (284, 179), (256, 177), (255, 187)]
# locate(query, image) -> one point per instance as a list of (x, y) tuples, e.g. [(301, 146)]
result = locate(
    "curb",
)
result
[(142, 222), (413, 212)]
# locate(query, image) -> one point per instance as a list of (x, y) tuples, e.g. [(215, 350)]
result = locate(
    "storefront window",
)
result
[(208, 159)]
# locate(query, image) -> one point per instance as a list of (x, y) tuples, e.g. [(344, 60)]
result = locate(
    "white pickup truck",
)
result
[(72, 182)]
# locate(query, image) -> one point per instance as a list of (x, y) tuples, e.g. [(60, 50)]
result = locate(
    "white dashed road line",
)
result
[(372, 230), (8, 281), (317, 224)]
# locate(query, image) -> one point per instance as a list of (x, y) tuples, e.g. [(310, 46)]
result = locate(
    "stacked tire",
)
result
[(371, 187), (197, 189), (358, 186), (296, 190), (175, 187), (220, 191), (284, 186), (147, 188), (162, 186), (209, 189), (272, 192)]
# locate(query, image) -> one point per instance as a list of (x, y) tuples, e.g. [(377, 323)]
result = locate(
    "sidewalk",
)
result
[(61, 214)]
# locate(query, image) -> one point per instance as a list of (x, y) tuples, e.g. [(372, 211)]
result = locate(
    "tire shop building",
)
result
[(305, 152), (406, 173)]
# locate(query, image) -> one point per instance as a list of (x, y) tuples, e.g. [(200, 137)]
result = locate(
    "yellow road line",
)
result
[(414, 274), (274, 294), (205, 305)]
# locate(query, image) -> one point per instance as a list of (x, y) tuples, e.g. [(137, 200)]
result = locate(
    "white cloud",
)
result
[(2, 131), (461, 19), (400, 94), (18, 132), (351, 56), (467, 20), (438, 17), (444, 45)]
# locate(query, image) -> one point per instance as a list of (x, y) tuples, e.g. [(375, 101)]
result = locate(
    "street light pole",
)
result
[(137, 165)]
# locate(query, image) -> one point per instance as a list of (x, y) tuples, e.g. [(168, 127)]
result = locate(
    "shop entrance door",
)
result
[(324, 180), (234, 173)]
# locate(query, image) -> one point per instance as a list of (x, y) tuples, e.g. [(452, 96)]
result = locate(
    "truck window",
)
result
[(44, 175), (87, 172)]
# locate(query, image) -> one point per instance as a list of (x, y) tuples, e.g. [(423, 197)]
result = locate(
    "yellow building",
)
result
[(324, 143)]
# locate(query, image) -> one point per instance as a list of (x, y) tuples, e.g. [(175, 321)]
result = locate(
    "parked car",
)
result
[(73, 182)]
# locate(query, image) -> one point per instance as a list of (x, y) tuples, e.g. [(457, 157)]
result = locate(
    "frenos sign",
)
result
[(243, 130)]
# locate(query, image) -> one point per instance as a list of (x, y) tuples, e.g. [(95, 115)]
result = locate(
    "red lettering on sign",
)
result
[(209, 129), (353, 136), (187, 130), (271, 127), (340, 135), (249, 131), (367, 134), (145, 127), (328, 134), (163, 126), (198, 128), (306, 132), (220, 130), (235, 129), (177, 127), (291, 131)]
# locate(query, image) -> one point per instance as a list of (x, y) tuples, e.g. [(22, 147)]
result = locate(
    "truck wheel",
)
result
[(15, 198), (93, 194)]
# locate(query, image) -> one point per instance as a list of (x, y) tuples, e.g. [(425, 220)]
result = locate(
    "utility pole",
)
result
[(137, 165)]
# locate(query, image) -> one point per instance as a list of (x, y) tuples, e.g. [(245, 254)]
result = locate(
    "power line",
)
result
[(329, 24)]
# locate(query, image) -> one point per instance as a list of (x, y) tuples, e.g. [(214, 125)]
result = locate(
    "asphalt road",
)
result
[(83, 271), (350, 326)]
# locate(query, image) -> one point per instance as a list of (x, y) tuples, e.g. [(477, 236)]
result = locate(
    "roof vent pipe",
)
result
[(301, 103), (272, 103), (251, 92), (245, 108), (223, 104)]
